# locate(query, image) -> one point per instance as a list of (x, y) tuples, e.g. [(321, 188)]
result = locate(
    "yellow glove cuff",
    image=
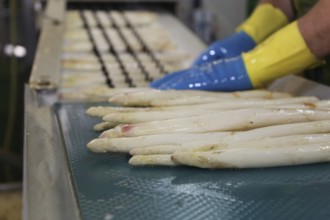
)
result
[(263, 22), (283, 53)]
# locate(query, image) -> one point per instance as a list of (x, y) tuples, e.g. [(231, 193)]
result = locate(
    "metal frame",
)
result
[(47, 189), (46, 67)]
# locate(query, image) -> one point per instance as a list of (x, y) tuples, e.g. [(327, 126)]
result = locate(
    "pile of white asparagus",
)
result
[(248, 129)]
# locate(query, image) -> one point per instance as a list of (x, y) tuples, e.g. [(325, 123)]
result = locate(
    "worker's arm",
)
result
[(269, 16), (315, 28), (290, 50), (286, 6)]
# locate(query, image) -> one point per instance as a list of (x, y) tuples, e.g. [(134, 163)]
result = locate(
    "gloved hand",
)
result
[(224, 75), (285, 52), (264, 21)]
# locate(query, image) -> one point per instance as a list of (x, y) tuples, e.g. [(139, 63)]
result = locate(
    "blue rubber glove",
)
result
[(229, 47), (222, 75)]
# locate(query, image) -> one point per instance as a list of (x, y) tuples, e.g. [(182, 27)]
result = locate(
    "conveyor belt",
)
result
[(108, 188), (126, 51), (125, 55)]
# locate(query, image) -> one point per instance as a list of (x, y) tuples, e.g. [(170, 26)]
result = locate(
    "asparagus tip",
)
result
[(91, 111), (190, 159), (95, 145), (117, 98)]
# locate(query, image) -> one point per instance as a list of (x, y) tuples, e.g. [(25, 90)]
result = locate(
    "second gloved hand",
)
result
[(224, 75), (264, 21), (285, 52)]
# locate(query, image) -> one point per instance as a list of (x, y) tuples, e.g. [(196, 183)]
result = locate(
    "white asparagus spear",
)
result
[(126, 144), (144, 98), (191, 100), (150, 160), (313, 127), (141, 116), (109, 92), (255, 157), (232, 103), (103, 126), (222, 143), (265, 142), (189, 144), (157, 150), (101, 111), (195, 100), (100, 92), (242, 119)]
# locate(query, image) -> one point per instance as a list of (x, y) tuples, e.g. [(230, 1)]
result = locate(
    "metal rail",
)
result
[(46, 67), (47, 190)]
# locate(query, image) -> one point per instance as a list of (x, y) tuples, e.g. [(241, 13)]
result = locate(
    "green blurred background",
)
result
[(14, 72)]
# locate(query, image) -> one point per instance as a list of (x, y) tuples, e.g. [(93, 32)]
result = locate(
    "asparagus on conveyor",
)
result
[(168, 143), (153, 114), (215, 156), (127, 144), (148, 97), (214, 130), (300, 103), (255, 157), (101, 111), (227, 143), (235, 120)]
